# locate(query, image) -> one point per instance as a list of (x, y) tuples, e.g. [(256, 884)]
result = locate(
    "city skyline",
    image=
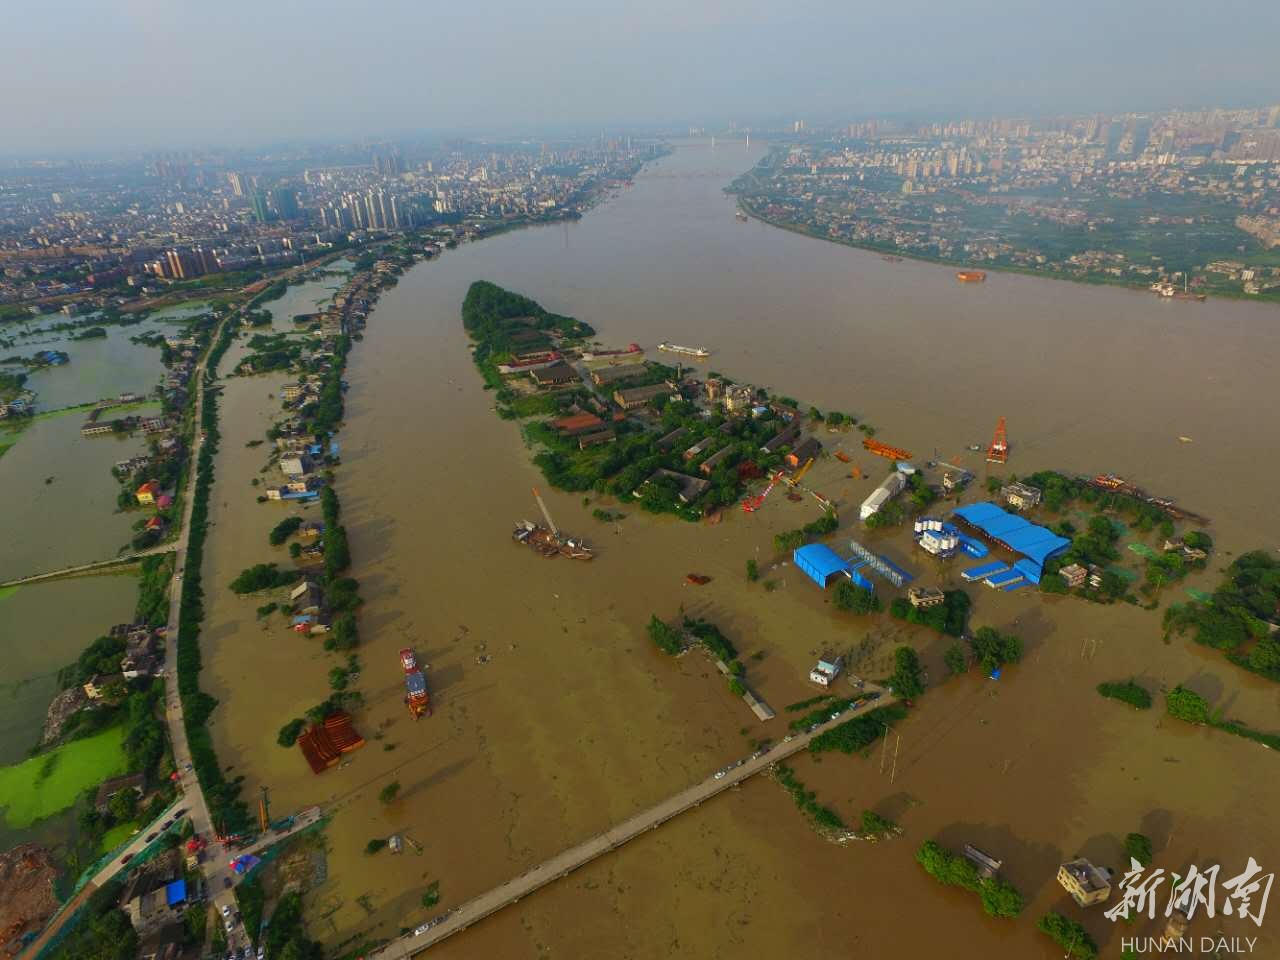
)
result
[(132, 80)]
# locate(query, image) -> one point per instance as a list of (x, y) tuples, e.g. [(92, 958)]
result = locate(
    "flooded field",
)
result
[(556, 717), (100, 367), (43, 627), (59, 505)]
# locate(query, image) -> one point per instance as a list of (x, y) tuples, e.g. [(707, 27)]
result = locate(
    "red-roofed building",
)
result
[(148, 492)]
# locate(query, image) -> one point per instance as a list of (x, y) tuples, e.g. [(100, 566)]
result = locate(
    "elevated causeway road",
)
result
[(82, 568), (562, 864)]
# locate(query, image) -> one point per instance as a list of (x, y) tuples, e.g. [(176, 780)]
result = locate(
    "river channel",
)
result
[(554, 715)]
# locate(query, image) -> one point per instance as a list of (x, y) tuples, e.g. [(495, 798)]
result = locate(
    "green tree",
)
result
[(124, 805), (1000, 899), (753, 570), (667, 638), (1138, 847), (1069, 935), (1187, 705), (1129, 692), (993, 649), (907, 678), (955, 659), (875, 825), (854, 599), (388, 794)]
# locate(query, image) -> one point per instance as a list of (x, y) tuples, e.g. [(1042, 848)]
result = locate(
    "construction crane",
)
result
[(801, 472), (551, 524), (998, 452), (752, 504)]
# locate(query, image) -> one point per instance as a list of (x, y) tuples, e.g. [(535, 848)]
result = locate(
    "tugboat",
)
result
[(547, 541), (415, 685)]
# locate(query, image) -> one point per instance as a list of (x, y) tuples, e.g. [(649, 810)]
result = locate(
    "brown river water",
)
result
[(555, 717)]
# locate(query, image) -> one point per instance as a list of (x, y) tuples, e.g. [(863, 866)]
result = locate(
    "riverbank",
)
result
[(895, 251)]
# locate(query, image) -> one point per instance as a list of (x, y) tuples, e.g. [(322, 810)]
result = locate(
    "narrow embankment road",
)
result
[(563, 863)]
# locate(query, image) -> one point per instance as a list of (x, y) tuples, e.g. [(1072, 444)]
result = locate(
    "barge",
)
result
[(698, 353)]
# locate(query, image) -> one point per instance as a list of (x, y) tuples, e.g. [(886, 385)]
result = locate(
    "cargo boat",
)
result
[(416, 697), (548, 541), (545, 543), (700, 353), (971, 276)]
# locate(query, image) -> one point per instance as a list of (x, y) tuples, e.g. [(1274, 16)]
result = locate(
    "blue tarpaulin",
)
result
[(175, 892)]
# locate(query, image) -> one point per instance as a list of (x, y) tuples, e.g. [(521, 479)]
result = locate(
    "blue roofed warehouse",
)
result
[(1033, 543), (820, 563)]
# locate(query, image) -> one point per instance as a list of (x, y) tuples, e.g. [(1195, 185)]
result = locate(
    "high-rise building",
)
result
[(183, 264), (285, 200), (1273, 118), (236, 183), (260, 208)]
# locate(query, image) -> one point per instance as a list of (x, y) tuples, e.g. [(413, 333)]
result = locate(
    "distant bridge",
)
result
[(476, 909)]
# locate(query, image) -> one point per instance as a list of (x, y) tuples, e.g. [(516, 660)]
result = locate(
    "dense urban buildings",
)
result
[(1180, 201), (123, 228)]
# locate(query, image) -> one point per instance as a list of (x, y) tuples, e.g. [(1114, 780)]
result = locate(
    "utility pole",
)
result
[(896, 744), (885, 748)]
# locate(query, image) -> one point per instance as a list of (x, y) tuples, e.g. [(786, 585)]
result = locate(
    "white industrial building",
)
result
[(890, 487)]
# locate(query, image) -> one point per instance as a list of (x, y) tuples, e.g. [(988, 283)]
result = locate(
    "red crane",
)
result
[(752, 504), (998, 452)]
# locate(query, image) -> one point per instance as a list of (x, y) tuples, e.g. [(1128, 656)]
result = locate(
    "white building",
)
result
[(892, 485), (826, 671)]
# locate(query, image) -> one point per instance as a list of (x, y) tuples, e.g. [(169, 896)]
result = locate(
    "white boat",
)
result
[(700, 352)]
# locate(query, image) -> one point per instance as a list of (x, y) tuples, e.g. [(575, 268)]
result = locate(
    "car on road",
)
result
[(262, 950), (151, 836), (178, 813), (836, 715), (126, 858), (226, 883), (813, 727), (720, 774), (177, 576), (788, 738), (226, 910), (873, 696)]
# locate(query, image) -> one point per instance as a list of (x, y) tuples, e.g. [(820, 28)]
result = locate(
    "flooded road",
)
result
[(556, 717)]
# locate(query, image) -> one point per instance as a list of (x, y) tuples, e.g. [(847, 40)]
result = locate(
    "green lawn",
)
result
[(44, 785), (116, 836)]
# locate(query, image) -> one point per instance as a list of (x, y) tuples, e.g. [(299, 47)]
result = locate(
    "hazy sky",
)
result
[(101, 74)]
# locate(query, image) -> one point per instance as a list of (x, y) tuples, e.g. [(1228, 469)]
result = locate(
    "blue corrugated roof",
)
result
[(175, 892), (819, 562), (1035, 542)]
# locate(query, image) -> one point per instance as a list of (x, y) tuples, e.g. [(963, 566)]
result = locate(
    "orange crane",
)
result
[(998, 452)]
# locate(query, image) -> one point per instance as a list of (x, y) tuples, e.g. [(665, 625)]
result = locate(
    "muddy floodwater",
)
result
[(555, 717)]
